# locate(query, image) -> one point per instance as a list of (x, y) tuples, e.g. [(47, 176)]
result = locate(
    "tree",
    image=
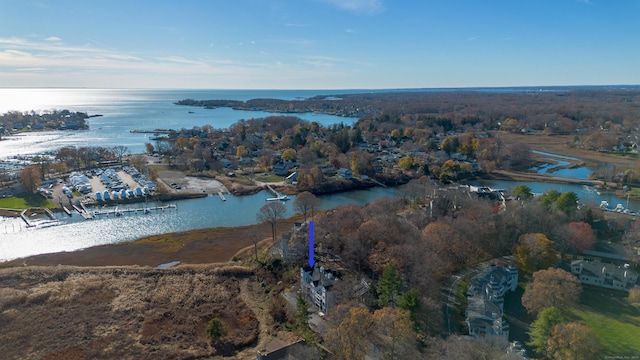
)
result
[(302, 313), (411, 302), (535, 252), (351, 339), (552, 287), (406, 163), (389, 287), (567, 202), (305, 202), (288, 154), (522, 192), (449, 144), (120, 151), (394, 336), (580, 237), (149, 148), (216, 330), (241, 151), (573, 341), (541, 328), (30, 178), (270, 213), (549, 197)]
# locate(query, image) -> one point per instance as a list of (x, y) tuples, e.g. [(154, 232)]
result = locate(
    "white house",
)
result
[(604, 275)]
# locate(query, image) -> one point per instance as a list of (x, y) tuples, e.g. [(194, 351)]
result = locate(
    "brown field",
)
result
[(562, 145), (125, 312)]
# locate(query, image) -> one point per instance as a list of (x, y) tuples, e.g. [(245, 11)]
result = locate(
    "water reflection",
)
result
[(75, 233)]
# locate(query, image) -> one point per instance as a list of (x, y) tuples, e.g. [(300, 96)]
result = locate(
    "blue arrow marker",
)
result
[(311, 257)]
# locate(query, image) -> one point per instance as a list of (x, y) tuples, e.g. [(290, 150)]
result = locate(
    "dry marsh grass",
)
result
[(122, 313)]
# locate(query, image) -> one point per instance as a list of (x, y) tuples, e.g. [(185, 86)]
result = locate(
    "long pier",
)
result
[(121, 211), (221, 196)]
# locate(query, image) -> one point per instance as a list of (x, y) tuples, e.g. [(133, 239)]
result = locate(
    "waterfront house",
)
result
[(345, 173), (281, 168), (605, 275), (315, 283)]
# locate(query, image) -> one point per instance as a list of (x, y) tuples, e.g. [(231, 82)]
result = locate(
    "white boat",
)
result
[(279, 198)]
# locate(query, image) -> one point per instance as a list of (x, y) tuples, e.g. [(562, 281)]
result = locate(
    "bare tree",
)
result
[(305, 202), (119, 151), (270, 213), (30, 178)]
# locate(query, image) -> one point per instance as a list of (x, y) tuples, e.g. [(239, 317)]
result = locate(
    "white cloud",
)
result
[(359, 6), (53, 38), (32, 69)]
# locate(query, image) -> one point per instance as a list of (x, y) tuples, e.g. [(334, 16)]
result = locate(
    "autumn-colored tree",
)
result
[(351, 339), (288, 154), (241, 151), (449, 144), (406, 163), (580, 237), (361, 162), (305, 202), (393, 334), (551, 287), (535, 252), (30, 178), (573, 341), (271, 213)]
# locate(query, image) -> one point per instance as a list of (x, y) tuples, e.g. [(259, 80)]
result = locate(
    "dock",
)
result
[(82, 211), (221, 196), (278, 196), (24, 217), (66, 210), (120, 211), (49, 214)]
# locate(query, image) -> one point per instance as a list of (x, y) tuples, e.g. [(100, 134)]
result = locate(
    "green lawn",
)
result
[(25, 201), (270, 178), (612, 318)]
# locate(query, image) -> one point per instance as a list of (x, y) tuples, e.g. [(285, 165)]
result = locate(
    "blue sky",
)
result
[(318, 44)]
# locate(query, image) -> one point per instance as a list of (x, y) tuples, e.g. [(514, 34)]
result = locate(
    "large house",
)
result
[(315, 283), (604, 275), (485, 299)]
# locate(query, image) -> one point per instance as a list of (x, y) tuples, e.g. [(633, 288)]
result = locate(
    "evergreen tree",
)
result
[(389, 287)]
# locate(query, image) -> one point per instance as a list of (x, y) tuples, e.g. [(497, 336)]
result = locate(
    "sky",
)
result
[(318, 44)]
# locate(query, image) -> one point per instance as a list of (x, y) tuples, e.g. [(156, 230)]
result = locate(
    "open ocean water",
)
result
[(126, 109)]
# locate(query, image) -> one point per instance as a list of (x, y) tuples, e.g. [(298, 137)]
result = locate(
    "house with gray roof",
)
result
[(485, 301), (315, 283), (605, 275)]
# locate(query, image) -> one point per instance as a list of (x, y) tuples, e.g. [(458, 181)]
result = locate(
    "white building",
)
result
[(604, 275)]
